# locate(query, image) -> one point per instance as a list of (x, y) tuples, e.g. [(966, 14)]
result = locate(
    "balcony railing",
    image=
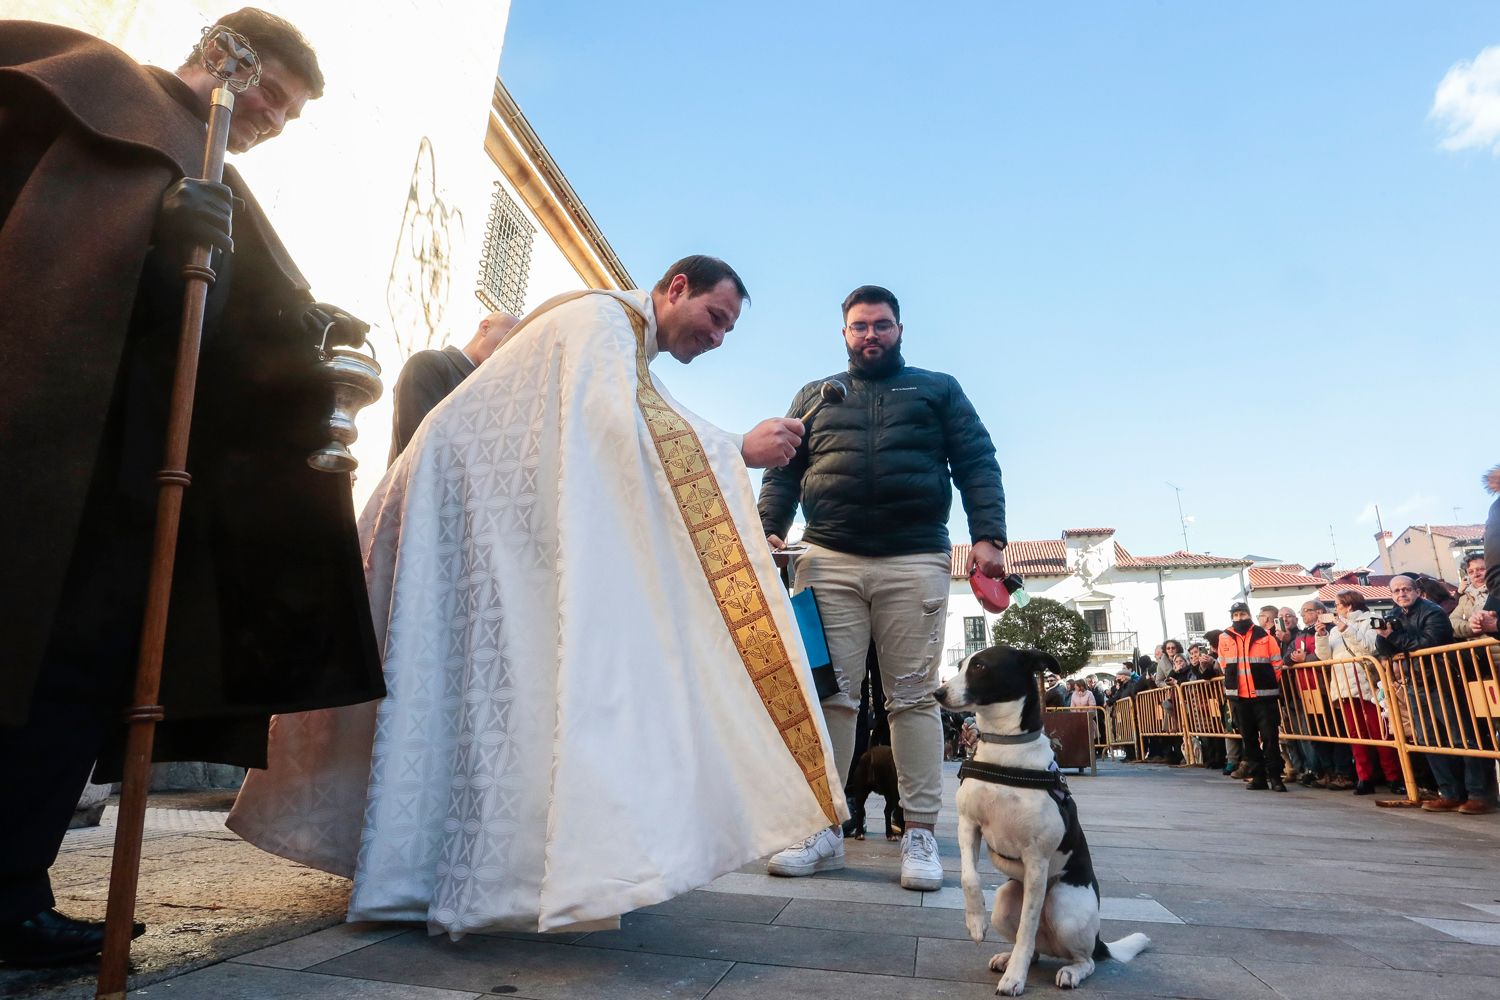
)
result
[(1116, 642)]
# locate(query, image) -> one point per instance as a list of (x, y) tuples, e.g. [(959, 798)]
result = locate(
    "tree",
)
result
[(1049, 626)]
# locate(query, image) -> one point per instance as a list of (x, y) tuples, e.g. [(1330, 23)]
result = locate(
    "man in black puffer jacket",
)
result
[(874, 475)]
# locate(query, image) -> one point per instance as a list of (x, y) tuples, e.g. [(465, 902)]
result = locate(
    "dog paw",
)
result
[(1000, 961), (976, 924), (1010, 986), (1068, 978)]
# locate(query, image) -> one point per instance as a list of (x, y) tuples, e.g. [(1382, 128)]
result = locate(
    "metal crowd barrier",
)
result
[(1157, 715), (1451, 697), (1205, 712), (1337, 701), (1120, 723)]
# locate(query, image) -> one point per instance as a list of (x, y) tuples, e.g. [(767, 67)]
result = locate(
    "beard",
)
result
[(887, 362)]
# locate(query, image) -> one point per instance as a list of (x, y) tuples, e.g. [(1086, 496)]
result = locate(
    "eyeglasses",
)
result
[(881, 327)]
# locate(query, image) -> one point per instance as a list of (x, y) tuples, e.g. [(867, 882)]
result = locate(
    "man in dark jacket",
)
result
[(269, 611), (429, 376), (874, 475), (1443, 716)]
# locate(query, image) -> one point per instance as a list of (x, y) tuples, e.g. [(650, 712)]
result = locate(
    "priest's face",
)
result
[(689, 325)]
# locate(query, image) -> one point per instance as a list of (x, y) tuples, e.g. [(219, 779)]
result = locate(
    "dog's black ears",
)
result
[(1039, 661)]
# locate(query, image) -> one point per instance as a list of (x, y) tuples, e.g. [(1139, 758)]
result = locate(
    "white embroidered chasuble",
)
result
[(597, 696)]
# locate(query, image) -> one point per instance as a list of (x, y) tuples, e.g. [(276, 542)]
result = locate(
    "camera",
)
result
[(1376, 621)]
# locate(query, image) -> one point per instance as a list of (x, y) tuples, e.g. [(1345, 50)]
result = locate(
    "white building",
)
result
[(414, 193), (1131, 603)]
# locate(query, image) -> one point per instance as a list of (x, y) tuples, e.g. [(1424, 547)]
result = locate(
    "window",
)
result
[(505, 262), (974, 635), (1097, 618), (1194, 624)]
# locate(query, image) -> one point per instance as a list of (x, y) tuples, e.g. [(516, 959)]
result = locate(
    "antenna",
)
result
[(1181, 520), (1335, 543)]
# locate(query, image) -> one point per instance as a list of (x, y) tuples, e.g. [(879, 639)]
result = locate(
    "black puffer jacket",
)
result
[(873, 473)]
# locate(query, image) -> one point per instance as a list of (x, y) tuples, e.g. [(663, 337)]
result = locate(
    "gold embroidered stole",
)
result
[(726, 564)]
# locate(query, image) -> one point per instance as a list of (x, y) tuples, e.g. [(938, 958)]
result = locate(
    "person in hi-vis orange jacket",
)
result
[(1252, 681)]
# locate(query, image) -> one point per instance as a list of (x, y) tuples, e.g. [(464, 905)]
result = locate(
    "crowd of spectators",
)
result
[(1437, 707)]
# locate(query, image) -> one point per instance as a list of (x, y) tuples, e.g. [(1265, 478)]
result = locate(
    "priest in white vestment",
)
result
[(597, 694)]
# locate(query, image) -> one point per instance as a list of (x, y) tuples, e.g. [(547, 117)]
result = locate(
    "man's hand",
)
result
[(989, 557), (1485, 621), (196, 213), (1298, 656), (1384, 631), (1321, 628), (777, 545), (771, 443), (346, 330)]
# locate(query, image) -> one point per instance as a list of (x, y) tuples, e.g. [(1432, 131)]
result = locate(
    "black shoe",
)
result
[(1397, 788), (1308, 779), (49, 938), (1277, 785), (1259, 785), (1364, 788)]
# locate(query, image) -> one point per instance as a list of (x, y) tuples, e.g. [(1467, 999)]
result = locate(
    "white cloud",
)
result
[(1467, 103)]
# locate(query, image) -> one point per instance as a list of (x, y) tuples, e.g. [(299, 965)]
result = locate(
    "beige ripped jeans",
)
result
[(902, 602)]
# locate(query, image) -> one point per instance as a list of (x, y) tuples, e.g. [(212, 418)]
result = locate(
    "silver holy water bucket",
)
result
[(353, 380)]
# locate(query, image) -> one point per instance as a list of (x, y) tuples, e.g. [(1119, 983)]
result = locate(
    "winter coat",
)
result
[(1471, 600), (1349, 680), (1251, 664), (873, 473)]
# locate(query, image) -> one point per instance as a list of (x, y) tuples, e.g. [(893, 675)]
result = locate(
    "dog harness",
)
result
[(1050, 781)]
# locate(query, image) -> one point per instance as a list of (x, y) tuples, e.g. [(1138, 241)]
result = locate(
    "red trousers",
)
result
[(1363, 720)]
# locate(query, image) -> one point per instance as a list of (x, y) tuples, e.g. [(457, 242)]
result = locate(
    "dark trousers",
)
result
[(1213, 751), (82, 687), (1259, 723), (47, 764)]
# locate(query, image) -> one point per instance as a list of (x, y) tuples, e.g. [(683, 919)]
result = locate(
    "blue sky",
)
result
[(1217, 245)]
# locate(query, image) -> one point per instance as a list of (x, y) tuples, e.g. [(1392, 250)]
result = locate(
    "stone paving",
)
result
[(1244, 895)]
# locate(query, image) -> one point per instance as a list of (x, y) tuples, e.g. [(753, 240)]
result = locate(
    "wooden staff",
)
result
[(145, 713)]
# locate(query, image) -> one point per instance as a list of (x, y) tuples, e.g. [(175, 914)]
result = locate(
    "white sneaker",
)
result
[(920, 867), (822, 852)]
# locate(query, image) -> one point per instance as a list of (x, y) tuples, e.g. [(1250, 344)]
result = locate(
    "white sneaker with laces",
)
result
[(822, 852), (920, 868)]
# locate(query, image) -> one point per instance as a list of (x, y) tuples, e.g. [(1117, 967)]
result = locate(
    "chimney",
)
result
[(1383, 539)]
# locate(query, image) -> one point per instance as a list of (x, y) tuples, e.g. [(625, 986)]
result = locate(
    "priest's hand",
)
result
[(342, 328), (196, 213), (771, 443)]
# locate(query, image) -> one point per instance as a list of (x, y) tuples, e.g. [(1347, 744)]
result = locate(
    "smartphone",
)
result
[(1328, 619)]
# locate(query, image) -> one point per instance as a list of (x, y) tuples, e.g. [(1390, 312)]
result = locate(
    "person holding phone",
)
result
[(1348, 634)]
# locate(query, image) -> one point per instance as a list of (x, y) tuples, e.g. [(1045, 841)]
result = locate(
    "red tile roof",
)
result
[(1045, 558), (1088, 531), (1179, 560), (1451, 530), (1329, 591), (1270, 579)]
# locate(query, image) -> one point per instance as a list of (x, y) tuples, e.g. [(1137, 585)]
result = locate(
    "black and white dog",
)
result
[(1013, 796)]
